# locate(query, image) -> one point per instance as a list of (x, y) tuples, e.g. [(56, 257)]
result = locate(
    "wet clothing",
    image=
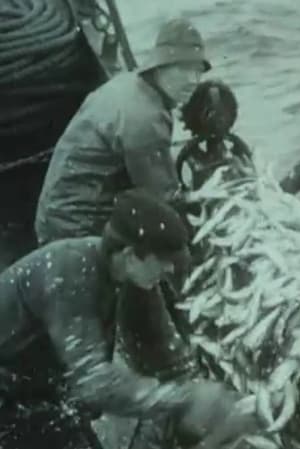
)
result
[(119, 138), (151, 340), (155, 344), (62, 294)]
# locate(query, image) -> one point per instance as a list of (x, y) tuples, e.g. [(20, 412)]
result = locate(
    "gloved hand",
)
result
[(212, 418)]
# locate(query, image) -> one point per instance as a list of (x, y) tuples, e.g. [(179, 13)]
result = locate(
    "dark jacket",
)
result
[(63, 292), (119, 138), (204, 159)]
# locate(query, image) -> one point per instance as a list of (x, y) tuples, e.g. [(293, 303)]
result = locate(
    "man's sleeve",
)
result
[(78, 336), (147, 151)]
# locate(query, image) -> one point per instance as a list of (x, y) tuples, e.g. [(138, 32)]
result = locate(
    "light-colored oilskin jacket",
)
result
[(119, 138)]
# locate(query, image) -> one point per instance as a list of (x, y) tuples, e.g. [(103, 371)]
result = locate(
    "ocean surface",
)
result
[(255, 48)]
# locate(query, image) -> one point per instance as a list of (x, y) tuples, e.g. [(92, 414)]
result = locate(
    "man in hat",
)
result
[(58, 308), (121, 138)]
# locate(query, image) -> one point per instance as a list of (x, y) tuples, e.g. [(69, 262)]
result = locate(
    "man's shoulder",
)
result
[(112, 98), (74, 247), (56, 255), (121, 83), (76, 262), (130, 93)]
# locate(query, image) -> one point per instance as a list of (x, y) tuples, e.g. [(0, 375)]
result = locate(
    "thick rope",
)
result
[(45, 72)]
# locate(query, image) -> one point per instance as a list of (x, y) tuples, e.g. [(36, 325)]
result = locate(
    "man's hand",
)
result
[(228, 433), (213, 419)]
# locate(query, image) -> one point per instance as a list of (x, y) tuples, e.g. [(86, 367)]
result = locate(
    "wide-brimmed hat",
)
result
[(178, 41)]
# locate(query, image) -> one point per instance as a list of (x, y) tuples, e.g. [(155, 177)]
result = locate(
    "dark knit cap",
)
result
[(149, 224)]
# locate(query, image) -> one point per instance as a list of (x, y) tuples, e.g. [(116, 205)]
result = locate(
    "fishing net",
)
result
[(243, 297)]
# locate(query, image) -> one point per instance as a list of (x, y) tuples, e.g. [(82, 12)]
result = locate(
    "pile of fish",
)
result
[(243, 298)]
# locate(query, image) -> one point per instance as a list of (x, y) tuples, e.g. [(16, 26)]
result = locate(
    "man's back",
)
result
[(94, 160), (28, 286)]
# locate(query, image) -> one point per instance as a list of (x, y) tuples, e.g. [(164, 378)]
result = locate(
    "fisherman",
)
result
[(210, 115), (58, 307), (120, 138)]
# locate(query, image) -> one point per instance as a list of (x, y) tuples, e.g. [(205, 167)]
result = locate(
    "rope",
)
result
[(46, 70)]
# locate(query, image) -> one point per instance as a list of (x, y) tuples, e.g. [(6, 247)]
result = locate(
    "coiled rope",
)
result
[(45, 72)]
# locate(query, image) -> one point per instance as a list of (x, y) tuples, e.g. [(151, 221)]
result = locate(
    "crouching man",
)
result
[(57, 323)]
